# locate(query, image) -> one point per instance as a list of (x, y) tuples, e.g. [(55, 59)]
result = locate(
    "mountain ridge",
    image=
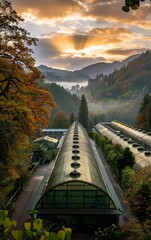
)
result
[(133, 78), (83, 74)]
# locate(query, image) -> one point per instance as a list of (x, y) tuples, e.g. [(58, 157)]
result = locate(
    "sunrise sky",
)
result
[(76, 33)]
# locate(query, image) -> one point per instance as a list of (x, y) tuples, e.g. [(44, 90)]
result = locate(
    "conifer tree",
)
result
[(71, 118), (83, 112)]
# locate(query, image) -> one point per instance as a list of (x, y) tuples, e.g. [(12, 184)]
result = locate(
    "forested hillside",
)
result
[(135, 77), (65, 100)]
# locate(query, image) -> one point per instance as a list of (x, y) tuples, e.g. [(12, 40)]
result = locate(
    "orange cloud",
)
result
[(48, 8), (123, 52), (95, 37), (85, 29)]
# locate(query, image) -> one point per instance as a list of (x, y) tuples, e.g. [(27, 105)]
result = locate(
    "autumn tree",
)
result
[(143, 118), (24, 107), (139, 199), (83, 112), (60, 120)]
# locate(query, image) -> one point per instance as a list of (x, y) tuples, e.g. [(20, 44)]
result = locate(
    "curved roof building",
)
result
[(121, 136), (78, 185)]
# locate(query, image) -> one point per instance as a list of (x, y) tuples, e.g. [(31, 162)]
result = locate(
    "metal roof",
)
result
[(47, 139), (54, 130)]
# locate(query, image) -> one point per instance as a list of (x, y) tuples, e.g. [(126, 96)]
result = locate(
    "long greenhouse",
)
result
[(77, 190)]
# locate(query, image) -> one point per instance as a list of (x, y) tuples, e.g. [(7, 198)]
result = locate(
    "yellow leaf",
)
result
[(27, 225), (61, 234)]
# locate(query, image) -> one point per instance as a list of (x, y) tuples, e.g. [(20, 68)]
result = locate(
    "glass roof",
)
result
[(140, 157), (140, 135), (88, 171)]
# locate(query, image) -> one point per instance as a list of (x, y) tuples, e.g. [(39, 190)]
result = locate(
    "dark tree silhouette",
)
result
[(71, 120), (83, 112), (131, 4)]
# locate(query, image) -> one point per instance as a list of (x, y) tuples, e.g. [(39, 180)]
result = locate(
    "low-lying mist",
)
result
[(121, 110)]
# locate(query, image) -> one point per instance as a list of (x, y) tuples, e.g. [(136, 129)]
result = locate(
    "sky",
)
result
[(73, 34)]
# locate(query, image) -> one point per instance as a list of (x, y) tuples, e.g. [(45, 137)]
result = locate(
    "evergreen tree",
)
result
[(148, 116), (71, 120), (83, 112), (145, 102), (143, 119)]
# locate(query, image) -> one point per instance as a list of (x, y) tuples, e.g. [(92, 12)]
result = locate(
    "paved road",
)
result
[(28, 195)]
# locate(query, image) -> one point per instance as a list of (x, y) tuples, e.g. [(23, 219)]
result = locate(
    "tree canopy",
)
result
[(131, 4), (143, 119), (60, 120), (24, 106)]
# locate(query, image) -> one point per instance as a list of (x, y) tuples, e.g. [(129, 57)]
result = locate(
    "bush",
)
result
[(33, 230), (113, 232)]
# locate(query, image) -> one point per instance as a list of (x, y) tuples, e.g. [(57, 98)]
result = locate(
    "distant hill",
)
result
[(54, 74), (65, 101), (105, 68), (136, 76)]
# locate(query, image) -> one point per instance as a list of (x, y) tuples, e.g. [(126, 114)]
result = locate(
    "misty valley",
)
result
[(116, 95), (75, 145)]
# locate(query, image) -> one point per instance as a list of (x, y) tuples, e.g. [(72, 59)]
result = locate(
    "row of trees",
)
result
[(137, 187), (117, 157)]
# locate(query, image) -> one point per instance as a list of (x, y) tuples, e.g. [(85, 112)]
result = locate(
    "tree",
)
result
[(20, 95), (148, 116), (131, 4), (139, 199), (83, 112), (143, 118), (61, 120), (24, 106), (109, 233), (146, 101), (128, 159), (71, 118)]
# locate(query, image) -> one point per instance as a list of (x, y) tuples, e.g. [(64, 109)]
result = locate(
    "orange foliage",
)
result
[(24, 106)]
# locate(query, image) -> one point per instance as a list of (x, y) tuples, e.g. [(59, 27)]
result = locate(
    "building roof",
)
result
[(141, 160), (76, 162), (46, 139), (47, 142), (54, 130), (87, 171)]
